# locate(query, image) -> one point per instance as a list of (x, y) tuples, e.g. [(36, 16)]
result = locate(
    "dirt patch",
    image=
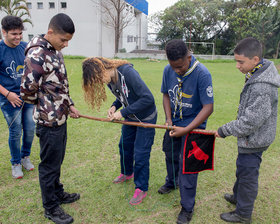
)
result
[(278, 67)]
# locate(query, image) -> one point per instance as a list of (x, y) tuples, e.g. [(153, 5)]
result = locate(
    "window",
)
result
[(51, 5), (63, 5), (30, 36), (129, 38), (29, 5), (39, 5)]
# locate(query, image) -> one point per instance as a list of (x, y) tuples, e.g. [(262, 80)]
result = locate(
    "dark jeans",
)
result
[(245, 189), (135, 148), (52, 151), (187, 182), (171, 148)]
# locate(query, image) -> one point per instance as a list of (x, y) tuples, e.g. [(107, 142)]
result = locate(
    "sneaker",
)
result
[(165, 190), (122, 178), (17, 171), (26, 163), (138, 197), (58, 216), (234, 217), (67, 198), (184, 217), (230, 198)]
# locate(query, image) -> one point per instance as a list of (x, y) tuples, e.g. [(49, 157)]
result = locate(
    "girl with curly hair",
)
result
[(137, 104)]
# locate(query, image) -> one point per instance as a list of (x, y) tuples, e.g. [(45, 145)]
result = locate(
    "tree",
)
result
[(199, 20), (16, 8), (263, 23), (116, 14)]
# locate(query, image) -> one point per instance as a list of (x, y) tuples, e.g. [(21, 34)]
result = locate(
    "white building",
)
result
[(93, 37)]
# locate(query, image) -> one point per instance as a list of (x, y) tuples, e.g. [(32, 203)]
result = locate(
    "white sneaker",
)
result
[(26, 163), (17, 171)]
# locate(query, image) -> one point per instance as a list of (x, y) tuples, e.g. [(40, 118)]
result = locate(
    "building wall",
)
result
[(92, 36)]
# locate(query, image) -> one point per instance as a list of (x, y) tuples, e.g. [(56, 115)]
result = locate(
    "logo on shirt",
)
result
[(13, 71), (173, 94), (209, 91)]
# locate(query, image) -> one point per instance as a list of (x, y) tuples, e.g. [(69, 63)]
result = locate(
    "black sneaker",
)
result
[(184, 217), (58, 216), (165, 190), (235, 218), (230, 198), (67, 198)]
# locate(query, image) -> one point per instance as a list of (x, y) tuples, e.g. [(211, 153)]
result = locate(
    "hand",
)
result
[(111, 111), (116, 116), (177, 132), (14, 99), (217, 134), (168, 122), (74, 113)]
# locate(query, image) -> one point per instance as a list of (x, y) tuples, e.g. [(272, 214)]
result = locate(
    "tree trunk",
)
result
[(117, 39), (277, 50)]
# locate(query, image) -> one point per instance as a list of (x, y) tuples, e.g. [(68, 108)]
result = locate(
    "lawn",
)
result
[(92, 162)]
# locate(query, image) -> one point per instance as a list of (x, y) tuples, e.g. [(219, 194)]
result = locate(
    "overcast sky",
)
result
[(157, 5)]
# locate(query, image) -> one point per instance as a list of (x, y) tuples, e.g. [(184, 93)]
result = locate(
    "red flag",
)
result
[(198, 153)]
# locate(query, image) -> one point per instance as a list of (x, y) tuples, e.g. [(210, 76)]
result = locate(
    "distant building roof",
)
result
[(141, 5)]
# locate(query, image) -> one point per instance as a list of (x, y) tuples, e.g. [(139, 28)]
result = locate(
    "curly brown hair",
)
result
[(95, 71)]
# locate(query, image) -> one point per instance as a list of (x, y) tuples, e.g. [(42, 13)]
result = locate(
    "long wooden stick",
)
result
[(141, 124)]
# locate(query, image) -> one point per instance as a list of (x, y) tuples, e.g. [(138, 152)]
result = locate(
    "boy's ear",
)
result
[(50, 31), (4, 32), (256, 60)]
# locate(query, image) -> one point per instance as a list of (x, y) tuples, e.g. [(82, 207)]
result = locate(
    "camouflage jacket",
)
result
[(45, 84)]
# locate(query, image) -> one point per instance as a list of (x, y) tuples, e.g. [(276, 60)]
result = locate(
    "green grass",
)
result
[(92, 162)]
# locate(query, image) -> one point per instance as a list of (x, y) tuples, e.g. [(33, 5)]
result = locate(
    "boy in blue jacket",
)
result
[(138, 105), (255, 126)]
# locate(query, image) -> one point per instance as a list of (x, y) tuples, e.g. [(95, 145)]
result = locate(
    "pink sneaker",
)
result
[(138, 197), (122, 178)]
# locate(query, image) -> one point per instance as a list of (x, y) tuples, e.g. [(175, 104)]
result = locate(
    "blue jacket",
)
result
[(133, 94)]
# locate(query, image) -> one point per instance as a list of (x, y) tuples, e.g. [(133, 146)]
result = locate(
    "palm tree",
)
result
[(16, 8)]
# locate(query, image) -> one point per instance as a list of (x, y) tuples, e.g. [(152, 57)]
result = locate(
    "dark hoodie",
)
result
[(45, 83)]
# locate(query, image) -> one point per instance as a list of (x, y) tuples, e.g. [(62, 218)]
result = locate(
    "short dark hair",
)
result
[(62, 23), (11, 23), (249, 47), (176, 49)]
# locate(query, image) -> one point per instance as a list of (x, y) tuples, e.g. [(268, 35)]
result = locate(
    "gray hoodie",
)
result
[(255, 125)]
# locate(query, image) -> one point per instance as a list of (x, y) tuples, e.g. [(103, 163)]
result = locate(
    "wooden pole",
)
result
[(142, 124)]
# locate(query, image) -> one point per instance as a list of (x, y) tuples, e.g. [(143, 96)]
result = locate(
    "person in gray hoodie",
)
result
[(254, 127)]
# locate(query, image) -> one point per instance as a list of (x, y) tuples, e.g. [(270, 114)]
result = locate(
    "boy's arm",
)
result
[(31, 79), (258, 111), (205, 112), (167, 109), (12, 97)]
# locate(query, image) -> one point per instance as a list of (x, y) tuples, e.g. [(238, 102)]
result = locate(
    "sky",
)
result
[(158, 5)]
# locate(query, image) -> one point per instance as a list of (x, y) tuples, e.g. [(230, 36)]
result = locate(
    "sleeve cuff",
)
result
[(221, 133)]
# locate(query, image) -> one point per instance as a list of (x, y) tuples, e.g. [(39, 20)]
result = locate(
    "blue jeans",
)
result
[(19, 121), (135, 148)]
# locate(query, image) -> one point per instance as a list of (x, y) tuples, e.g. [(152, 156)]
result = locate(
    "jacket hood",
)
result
[(267, 74), (39, 41)]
